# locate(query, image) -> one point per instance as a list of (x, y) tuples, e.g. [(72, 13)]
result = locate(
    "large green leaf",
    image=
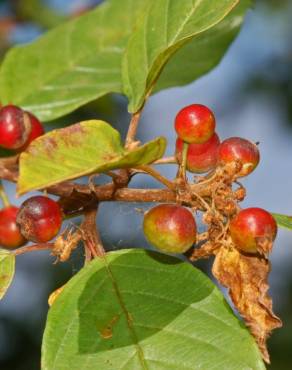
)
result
[(7, 262), (137, 310), (81, 60), (283, 220), (71, 65), (81, 149), (203, 52), (167, 26)]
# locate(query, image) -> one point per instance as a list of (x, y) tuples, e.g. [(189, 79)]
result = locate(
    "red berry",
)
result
[(200, 157), (253, 230), (15, 127), (170, 228), (10, 236), (40, 219), (242, 151), (195, 124), (36, 131)]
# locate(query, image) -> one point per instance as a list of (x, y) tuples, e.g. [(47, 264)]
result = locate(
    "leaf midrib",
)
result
[(72, 323), (125, 311), (188, 16), (176, 43), (132, 331)]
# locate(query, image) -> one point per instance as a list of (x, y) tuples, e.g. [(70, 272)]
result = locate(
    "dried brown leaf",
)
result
[(65, 243), (205, 251), (246, 278)]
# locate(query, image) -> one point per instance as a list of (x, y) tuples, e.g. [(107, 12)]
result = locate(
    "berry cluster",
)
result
[(172, 228), (39, 218), (240, 239), (169, 227)]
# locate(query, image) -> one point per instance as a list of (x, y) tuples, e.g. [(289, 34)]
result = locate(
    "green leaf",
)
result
[(40, 13), (78, 150), (137, 310), (80, 61), (203, 52), (71, 65), (166, 27), (283, 221), (7, 262)]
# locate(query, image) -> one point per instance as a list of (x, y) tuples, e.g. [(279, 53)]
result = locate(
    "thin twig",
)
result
[(181, 174), (9, 161), (115, 176), (3, 196), (166, 160), (155, 174), (83, 194), (34, 247), (109, 192), (9, 168), (91, 234), (133, 127), (202, 200), (209, 178), (88, 254)]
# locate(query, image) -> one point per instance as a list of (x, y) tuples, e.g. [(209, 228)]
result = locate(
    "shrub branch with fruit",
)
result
[(136, 309)]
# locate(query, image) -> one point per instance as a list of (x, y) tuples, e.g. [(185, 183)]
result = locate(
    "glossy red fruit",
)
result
[(170, 228), (10, 236), (37, 130), (15, 127), (40, 219), (253, 230), (200, 157), (236, 149), (195, 124)]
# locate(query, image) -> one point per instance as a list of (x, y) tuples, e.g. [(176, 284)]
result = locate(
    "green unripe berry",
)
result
[(170, 228)]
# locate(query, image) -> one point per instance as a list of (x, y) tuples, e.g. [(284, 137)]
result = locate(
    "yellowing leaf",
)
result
[(7, 265), (78, 150)]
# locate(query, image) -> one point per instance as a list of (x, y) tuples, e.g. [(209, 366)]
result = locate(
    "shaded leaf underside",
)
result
[(169, 317)]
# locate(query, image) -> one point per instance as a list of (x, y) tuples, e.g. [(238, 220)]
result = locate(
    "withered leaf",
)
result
[(205, 251), (246, 278)]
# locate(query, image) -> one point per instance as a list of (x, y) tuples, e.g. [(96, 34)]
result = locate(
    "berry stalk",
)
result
[(3, 196), (183, 165)]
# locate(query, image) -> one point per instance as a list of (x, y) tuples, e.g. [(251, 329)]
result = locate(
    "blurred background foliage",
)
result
[(251, 94)]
